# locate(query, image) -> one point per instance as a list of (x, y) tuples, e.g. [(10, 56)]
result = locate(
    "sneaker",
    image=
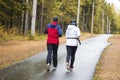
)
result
[(67, 66), (48, 67), (71, 67), (54, 68)]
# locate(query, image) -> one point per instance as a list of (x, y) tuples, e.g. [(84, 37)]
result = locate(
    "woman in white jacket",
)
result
[(72, 35)]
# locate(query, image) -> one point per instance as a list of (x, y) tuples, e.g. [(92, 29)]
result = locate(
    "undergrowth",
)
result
[(13, 34)]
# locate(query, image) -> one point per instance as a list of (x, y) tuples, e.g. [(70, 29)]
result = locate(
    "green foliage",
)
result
[(13, 13), (10, 10)]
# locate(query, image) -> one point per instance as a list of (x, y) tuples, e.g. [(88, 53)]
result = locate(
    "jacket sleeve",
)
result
[(66, 33), (45, 31), (59, 31), (78, 32)]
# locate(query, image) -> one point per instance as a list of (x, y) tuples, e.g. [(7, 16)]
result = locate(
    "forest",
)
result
[(96, 15)]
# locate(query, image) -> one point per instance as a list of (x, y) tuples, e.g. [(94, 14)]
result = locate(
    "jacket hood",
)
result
[(71, 26), (54, 23)]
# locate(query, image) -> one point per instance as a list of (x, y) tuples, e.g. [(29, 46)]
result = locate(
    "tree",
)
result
[(26, 18), (33, 17), (17, 14)]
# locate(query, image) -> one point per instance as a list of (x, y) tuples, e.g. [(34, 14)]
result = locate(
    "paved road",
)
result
[(34, 68)]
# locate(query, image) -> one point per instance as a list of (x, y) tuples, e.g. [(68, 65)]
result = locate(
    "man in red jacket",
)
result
[(54, 31)]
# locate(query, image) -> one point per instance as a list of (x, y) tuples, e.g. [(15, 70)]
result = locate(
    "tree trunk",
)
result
[(33, 17), (83, 19), (92, 23), (41, 28), (107, 25), (11, 19), (22, 21), (78, 13), (103, 22), (26, 19)]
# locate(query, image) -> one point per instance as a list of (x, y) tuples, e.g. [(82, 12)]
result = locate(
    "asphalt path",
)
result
[(34, 68)]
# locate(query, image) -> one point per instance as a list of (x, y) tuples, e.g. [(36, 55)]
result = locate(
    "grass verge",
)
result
[(98, 69)]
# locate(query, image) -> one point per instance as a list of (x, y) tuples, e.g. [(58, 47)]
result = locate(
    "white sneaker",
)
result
[(54, 68), (67, 66), (48, 67)]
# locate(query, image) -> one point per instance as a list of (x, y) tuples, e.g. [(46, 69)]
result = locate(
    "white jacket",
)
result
[(72, 32)]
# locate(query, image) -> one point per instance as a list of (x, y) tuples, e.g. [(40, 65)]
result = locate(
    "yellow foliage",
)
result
[(13, 34), (4, 35)]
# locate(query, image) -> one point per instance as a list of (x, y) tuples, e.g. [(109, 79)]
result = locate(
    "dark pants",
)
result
[(71, 50), (52, 54)]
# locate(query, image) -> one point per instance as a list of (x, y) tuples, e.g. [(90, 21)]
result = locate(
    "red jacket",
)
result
[(54, 31)]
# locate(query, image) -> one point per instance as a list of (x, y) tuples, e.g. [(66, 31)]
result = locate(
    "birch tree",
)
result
[(33, 17)]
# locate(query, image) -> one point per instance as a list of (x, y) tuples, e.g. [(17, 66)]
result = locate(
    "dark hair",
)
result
[(55, 18), (73, 22)]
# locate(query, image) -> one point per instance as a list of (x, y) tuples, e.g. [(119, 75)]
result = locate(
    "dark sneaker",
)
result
[(71, 67)]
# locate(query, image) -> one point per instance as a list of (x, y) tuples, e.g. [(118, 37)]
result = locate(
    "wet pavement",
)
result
[(34, 68)]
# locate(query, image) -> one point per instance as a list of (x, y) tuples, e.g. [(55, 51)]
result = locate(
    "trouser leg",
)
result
[(68, 53), (74, 48), (49, 55), (55, 48)]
